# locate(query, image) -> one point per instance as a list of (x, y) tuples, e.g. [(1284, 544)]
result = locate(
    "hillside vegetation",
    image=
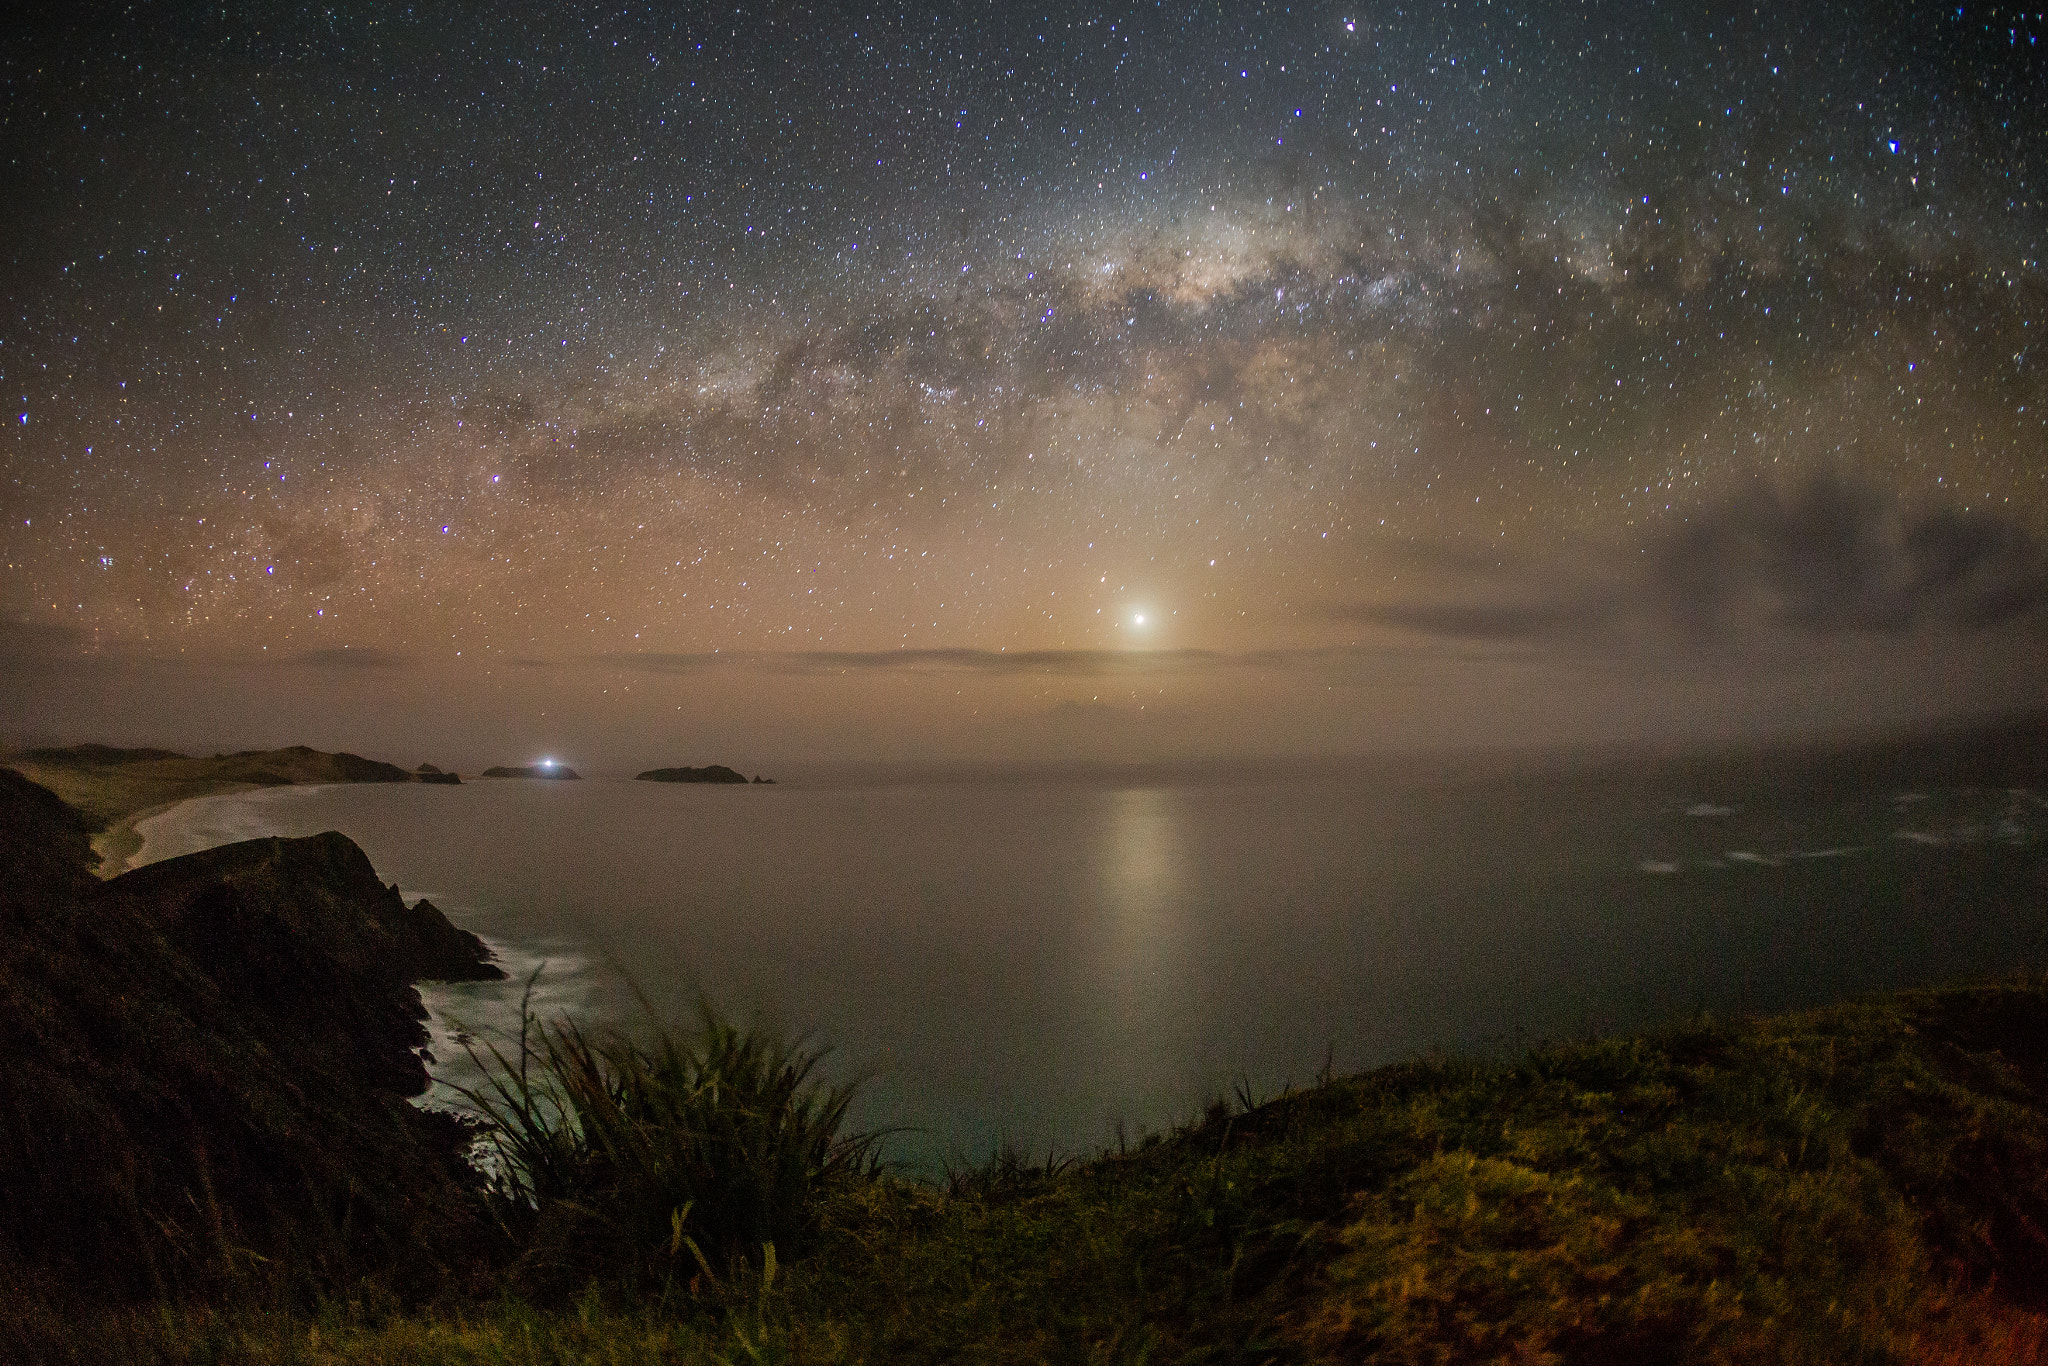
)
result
[(204, 1067), (105, 784), (196, 1169), (1863, 1183), (110, 788)]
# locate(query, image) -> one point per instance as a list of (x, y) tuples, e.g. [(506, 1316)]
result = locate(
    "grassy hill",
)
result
[(110, 788), (1863, 1183), (207, 1157)]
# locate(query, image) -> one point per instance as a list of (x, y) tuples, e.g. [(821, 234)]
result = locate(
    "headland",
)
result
[(113, 789)]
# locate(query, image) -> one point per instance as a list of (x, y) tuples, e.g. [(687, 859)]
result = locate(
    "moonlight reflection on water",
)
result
[(1037, 960)]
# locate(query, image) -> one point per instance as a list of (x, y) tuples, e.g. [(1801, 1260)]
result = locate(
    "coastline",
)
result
[(456, 1009), (122, 840), (115, 790)]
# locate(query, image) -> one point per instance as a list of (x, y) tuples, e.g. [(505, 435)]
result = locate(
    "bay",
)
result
[(1049, 960)]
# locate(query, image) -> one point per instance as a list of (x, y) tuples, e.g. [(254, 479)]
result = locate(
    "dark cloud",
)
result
[(1063, 663), (346, 657), (1505, 621), (1834, 555), (1828, 557), (25, 639)]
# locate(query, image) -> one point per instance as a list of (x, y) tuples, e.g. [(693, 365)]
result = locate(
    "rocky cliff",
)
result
[(204, 1065)]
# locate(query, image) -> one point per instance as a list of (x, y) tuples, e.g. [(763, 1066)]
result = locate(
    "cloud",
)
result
[(1834, 556), (27, 639), (1507, 621), (346, 657), (1825, 558), (1064, 663)]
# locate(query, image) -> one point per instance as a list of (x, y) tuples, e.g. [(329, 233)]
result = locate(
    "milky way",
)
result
[(1164, 379)]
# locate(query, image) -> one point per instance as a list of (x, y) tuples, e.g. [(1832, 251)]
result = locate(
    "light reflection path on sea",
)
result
[(1038, 961)]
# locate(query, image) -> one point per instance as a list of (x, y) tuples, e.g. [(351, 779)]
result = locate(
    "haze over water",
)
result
[(1035, 959)]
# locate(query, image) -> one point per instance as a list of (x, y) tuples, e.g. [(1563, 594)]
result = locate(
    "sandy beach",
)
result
[(116, 790), (121, 841)]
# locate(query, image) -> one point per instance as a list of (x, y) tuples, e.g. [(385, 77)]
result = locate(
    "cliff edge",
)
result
[(209, 1057)]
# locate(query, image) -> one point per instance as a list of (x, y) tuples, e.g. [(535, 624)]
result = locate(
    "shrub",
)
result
[(661, 1153)]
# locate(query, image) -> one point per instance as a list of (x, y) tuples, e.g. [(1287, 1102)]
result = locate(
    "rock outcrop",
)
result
[(210, 1057)]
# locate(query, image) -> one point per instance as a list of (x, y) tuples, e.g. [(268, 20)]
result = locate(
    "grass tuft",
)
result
[(1867, 1182), (661, 1156)]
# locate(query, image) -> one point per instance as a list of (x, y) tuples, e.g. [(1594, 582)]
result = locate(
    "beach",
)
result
[(116, 790), (121, 845)]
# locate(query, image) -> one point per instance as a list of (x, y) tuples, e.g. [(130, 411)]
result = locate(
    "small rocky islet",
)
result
[(710, 773)]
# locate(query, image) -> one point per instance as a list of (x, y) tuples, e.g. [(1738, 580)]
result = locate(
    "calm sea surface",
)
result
[(1035, 961)]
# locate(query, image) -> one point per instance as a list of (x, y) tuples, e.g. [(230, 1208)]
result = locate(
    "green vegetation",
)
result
[(204, 1067), (111, 788), (632, 1159), (1867, 1182), (206, 1155)]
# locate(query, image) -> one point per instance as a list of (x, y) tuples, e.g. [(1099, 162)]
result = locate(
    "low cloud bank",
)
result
[(1825, 558)]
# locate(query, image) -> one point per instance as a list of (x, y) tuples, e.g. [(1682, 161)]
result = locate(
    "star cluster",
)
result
[(1240, 337)]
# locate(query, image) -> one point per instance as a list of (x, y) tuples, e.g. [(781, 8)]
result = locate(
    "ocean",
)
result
[(1050, 961)]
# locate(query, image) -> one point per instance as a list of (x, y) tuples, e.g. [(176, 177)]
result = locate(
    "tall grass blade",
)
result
[(710, 1143)]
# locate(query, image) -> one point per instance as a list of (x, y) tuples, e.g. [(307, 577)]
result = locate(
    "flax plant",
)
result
[(661, 1154)]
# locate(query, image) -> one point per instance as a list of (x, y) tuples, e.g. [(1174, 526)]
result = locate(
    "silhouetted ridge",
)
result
[(98, 755), (45, 846), (298, 764)]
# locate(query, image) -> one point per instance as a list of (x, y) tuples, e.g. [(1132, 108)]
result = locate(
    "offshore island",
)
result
[(547, 769), (206, 1068), (711, 773)]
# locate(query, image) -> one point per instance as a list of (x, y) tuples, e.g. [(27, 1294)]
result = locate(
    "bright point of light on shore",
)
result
[(547, 763), (1137, 619)]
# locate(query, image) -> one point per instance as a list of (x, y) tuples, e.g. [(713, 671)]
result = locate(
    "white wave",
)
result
[(1918, 837), (466, 1020), (1745, 856), (1658, 866), (1709, 809), (461, 1015)]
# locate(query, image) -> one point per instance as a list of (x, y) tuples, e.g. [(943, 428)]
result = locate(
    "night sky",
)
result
[(769, 382)]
